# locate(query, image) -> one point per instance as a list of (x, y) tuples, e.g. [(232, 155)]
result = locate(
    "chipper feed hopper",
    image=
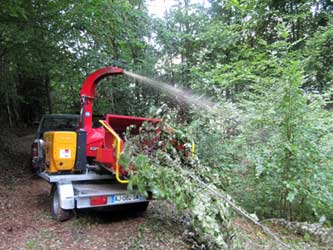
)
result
[(73, 160)]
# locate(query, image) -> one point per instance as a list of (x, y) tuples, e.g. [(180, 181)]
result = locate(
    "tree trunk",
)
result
[(48, 94), (9, 114)]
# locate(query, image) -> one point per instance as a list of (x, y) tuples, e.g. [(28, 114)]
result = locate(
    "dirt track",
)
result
[(26, 223)]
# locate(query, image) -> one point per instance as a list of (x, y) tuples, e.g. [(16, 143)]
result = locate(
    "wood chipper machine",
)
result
[(82, 165)]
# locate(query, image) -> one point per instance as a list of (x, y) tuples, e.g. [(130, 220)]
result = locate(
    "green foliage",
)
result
[(318, 54), (163, 164), (288, 170), (177, 37), (214, 134), (47, 49), (275, 145), (268, 58)]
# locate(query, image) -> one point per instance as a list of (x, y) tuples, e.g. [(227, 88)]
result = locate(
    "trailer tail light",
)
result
[(34, 149), (98, 200)]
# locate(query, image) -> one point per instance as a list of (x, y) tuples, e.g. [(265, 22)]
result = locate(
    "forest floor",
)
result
[(26, 222)]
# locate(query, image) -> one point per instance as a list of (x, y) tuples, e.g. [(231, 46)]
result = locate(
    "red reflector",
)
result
[(34, 150), (98, 200)]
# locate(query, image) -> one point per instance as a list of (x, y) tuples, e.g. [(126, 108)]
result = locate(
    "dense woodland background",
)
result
[(268, 63)]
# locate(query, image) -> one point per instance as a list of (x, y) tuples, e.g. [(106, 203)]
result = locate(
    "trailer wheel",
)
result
[(57, 212)]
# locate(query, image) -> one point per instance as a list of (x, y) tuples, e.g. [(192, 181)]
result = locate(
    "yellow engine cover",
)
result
[(60, 150)]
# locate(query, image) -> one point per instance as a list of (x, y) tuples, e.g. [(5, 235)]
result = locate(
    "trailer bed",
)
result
[(62, 178), (87, 190)]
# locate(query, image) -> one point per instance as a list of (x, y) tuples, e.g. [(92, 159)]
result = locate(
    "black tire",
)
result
[(57, 212)]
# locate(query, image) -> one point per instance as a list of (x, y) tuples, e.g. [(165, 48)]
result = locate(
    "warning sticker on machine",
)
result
[(65, 153)]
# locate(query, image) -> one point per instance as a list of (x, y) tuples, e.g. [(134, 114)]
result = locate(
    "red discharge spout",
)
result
[(87, 93)]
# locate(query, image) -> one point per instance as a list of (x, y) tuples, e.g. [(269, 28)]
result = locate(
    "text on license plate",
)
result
[(123, 198)]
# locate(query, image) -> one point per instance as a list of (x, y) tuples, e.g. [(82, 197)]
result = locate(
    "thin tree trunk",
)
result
[(48, 94), (9, 114)]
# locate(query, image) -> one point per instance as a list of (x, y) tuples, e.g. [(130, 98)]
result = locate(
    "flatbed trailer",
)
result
[(88, 190)]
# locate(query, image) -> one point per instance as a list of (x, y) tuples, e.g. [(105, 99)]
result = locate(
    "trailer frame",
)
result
[(87, 190)]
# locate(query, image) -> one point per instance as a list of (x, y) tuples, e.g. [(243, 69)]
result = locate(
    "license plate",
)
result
[(125, 198)]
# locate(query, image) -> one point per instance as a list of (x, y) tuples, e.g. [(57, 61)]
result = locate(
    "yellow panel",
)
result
[(60, 150)]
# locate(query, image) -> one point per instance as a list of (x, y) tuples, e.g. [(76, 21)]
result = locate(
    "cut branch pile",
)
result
[(163, 163)]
